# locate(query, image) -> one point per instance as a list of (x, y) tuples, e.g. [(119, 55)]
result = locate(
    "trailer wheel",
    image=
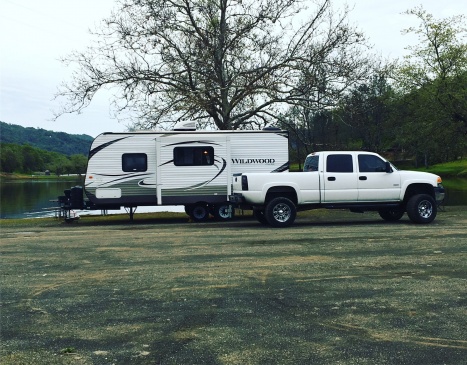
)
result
[(223, 211), (199, 212), (391, 215), (280, 212), (421, 208), (259, 215)]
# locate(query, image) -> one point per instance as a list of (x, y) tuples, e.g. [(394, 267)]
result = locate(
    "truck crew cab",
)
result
[(355, 180)]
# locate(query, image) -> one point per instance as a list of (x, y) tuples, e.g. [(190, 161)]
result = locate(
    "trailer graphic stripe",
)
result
[(127, 177), (282, 168), (102, 146), (188, 142)]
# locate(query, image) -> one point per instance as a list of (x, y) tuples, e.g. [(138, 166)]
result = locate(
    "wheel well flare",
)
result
[(282, 191), (415, 189)]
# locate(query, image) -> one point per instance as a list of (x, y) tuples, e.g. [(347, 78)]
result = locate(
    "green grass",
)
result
[(455, 169), (22, 176)]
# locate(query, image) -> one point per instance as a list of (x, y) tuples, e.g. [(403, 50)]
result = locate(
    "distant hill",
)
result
[(67, 144)]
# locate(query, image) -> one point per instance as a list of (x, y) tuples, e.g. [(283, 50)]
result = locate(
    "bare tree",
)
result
[(230, 63)]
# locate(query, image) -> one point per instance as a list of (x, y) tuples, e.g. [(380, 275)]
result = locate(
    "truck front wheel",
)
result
[(280, 212), (421, 208)]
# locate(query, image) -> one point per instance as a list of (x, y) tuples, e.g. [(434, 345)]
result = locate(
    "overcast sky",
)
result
[(35, 34)]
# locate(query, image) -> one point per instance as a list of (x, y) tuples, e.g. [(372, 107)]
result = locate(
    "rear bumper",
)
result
[(439, 194), (236, 198)]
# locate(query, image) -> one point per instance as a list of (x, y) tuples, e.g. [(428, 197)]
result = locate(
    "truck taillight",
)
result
[(244, 182)]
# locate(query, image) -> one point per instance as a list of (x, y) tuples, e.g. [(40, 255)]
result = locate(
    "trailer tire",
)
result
[(391, 215), (199, 212), (422, 208), (259, 215), (280, 212), (223, 211)]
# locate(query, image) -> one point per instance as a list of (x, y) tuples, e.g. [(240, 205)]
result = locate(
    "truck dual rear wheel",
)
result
[(259, 215), (280, 212), (422, 208), (391, 215)]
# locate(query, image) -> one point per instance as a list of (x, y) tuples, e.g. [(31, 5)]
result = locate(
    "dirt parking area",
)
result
[(335, 288)]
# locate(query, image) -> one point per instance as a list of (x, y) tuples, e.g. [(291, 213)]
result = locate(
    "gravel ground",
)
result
[(335, 288)]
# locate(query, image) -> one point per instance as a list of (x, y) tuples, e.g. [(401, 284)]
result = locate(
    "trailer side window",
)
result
[(134, 162), (193, 156), (339, 163)]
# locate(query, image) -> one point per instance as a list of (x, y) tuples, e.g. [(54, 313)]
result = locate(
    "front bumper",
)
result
[(439, 194)]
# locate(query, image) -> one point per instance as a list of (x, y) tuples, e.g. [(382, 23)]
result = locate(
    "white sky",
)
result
[(35, 34)]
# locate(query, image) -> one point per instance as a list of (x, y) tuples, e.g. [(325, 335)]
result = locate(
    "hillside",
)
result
[(67, 144)]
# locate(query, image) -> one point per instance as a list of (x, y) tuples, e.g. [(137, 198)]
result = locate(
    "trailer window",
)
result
[(134, 162), (339, 163), (193, 156)]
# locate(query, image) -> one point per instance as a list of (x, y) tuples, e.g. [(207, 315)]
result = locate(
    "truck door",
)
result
[(374, 183), (340, 178)]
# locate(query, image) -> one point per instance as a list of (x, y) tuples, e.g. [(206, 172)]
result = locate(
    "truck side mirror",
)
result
[(388, 167)]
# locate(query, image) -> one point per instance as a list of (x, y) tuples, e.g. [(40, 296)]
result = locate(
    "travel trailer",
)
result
[(185, 166)]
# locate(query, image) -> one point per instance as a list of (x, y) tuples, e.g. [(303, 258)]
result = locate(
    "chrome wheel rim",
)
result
[(281, 212), (425, 209)]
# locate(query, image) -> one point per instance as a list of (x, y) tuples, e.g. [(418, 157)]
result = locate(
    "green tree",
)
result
[(61, 165), (78, 164), (367, 110), (32, 160), (433, 79), (10, 158)]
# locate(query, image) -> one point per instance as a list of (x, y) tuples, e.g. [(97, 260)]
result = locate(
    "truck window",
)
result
[(134, 162), (193, 156), (339, 163), (311, 163), (371, 163)]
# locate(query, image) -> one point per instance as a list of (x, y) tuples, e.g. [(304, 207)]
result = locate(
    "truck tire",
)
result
[(280, 212), (223, 211), (199, 212), (391, 215), (259, 215), (421, 208)]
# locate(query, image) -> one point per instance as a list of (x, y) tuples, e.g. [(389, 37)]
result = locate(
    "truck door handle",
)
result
[(331, 178), (362, 178)]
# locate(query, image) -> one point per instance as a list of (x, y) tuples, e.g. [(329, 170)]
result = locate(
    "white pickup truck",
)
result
[(356, 180)]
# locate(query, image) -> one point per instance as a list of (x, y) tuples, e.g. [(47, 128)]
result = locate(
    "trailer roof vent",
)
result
[(185, 126), (271, 128)]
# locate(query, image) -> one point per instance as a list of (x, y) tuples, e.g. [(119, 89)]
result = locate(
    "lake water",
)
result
[(34, 199)]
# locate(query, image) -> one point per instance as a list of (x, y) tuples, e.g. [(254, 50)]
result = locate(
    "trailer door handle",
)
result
[(331, 178), (362, 178)]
